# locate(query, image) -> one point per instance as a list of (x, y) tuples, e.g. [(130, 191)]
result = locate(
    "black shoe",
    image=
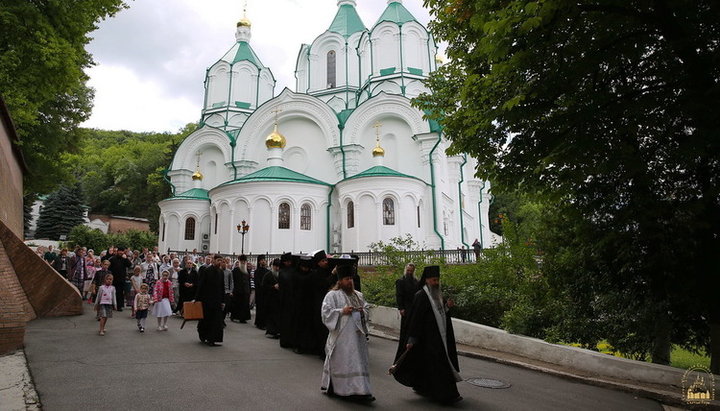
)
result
[(119, 309), (242, 322), (213, 344)]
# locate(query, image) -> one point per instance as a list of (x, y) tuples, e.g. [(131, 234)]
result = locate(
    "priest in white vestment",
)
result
[(346, 368)]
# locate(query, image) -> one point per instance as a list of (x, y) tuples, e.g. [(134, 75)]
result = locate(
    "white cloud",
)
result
[(123, 101), (151, 59)]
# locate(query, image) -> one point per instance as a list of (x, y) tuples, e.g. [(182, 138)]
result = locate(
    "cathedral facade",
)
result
[(341, 162)]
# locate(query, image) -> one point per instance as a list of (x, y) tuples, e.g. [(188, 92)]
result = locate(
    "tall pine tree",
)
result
[(62, 210)]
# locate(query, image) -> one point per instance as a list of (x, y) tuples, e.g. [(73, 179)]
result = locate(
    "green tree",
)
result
[(606, 109), (42, 58), (121, 172), (61, 211)]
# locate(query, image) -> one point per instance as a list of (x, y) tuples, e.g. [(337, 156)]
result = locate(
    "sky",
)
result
[(151, 58)]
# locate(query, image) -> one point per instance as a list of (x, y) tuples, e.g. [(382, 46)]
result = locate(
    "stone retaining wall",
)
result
[(586, 361)]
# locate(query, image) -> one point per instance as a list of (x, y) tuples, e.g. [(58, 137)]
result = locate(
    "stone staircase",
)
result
[(29, 288)]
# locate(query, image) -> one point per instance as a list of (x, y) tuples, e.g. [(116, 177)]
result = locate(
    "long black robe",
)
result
[(271, 301), (288, 327), (426, 367), (304, 315), (241, 295), (211, 292), (259, 276), (187, 276), (405, 289), (322, 280)]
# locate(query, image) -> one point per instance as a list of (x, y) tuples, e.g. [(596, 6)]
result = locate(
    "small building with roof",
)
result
[(343, 161)]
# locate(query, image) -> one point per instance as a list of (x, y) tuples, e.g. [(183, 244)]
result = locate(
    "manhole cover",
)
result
[(488, 383)]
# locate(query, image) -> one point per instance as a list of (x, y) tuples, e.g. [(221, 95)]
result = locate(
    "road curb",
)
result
[(666, 397)]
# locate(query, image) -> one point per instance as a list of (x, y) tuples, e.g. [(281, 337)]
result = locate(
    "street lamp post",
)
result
[(243, 228)]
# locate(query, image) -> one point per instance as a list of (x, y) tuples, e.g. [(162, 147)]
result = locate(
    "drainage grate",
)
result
[(488, 383)]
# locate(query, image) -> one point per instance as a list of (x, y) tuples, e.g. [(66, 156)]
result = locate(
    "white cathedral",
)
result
[(340, 163)]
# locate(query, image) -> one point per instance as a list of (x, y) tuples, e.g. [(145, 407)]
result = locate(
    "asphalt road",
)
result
[(76, 369)]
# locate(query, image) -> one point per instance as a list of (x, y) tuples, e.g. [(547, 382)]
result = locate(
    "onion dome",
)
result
[(244, 22), (197, 175), (275, 139), (378, 151)]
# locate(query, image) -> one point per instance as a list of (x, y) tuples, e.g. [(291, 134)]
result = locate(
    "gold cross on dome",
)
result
[(377, 127), (277, 111)]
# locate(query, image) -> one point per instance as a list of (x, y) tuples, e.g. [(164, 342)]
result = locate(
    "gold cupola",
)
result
[(244, 21), (275, 139), (197, 175), (378, 151)]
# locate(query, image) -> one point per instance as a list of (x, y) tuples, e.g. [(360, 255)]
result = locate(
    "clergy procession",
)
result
[(310, 303)]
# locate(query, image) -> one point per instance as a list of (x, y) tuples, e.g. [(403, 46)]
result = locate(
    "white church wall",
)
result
[(244, 83), (260, 237), (386, 47), (364, 53), (225, 223), (319, 63), (219, 84), (258, 203), (367, 195), (415, 47), (267, 87), (212, 166), (366, 222)]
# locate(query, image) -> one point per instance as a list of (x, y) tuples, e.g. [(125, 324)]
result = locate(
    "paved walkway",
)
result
[(73, 368)]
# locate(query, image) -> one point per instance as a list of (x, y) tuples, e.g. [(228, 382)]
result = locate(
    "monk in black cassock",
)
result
[(258, 276), (430, 366), (304, 312), (405, 289), (287, 280), (211, 292), (241, 292), (322, 279), (271, 300), (187, 283)]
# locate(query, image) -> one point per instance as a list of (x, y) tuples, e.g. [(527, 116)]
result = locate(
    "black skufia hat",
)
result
[(344, 271), (286, 257), (430, 271)]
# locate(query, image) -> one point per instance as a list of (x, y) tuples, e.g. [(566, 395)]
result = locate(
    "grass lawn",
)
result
[(679, 357)]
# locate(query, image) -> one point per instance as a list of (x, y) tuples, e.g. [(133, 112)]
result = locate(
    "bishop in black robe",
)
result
[(430, 366)]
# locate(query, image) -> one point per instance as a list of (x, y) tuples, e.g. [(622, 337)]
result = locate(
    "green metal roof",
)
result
[(277, 173), (396, 13), (192, 194), (380, 171), (242, 51), (347, 21)]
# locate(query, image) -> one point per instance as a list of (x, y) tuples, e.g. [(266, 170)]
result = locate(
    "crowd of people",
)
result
[(311, 304)]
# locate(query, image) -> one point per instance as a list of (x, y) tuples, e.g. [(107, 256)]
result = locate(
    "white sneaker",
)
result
[(165, 327), (160, 328)]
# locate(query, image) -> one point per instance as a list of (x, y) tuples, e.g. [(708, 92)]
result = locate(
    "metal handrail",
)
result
[(369, 258)]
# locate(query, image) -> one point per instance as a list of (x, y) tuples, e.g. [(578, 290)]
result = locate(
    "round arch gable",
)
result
[(206, 136), (383, 105), (292, 105)]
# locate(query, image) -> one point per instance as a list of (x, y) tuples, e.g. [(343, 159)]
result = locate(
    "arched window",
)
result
[(216, 222), (284, 216), (331, 69), (190, 229), (351, 215), (388, 212), (305, 217)]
